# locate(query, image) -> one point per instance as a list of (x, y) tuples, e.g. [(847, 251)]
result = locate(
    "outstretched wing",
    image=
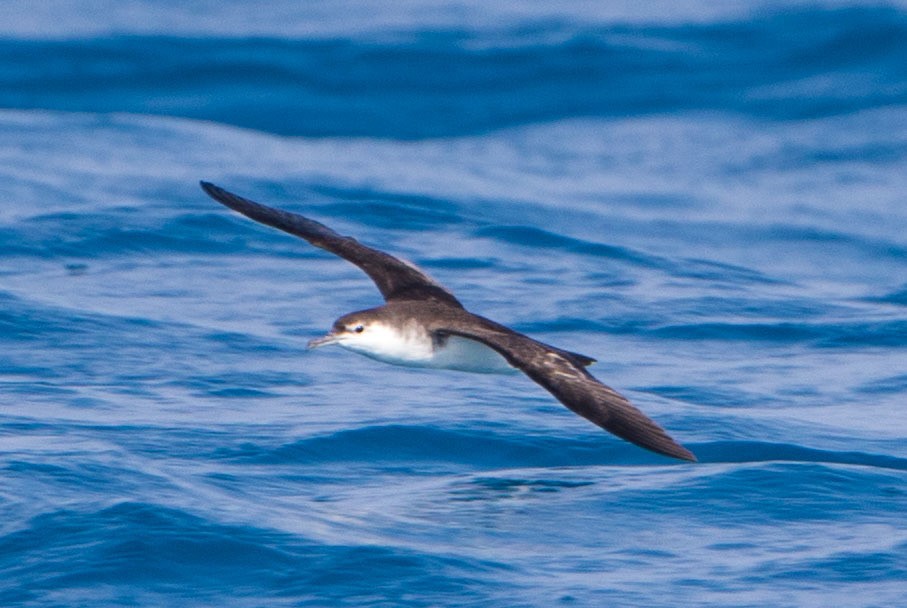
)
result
[(396, 279), (566, 379)]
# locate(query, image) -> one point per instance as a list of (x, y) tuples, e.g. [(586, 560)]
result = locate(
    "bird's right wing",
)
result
[(565, 378), (396, 279)]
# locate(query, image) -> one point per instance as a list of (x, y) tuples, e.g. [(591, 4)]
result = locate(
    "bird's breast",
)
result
[(418, 349)]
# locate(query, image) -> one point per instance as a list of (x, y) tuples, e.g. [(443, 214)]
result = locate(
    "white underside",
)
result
[(415, 350), (470, 356)]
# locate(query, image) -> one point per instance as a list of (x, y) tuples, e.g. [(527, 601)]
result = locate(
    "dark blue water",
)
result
[(708, 199)]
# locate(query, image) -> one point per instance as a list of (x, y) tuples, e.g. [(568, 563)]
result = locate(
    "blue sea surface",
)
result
[(708, 198)]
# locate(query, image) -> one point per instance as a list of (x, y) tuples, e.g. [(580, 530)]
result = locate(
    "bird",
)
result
[(422, 324)]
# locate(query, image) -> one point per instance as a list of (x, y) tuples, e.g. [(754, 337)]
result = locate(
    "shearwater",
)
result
[(422, 324)]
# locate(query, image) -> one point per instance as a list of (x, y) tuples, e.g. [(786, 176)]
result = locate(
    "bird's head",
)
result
[(355, 331)]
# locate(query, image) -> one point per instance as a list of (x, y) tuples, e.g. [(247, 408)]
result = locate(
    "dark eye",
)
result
[(359, 329)]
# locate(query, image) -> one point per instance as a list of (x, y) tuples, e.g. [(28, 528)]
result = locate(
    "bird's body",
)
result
[(394, 337), (423, 325)]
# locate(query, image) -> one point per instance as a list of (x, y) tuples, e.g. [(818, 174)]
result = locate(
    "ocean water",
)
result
[(709, 198)]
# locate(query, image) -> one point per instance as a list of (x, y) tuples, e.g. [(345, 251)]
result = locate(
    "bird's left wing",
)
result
[(565, 378), (396, 279)]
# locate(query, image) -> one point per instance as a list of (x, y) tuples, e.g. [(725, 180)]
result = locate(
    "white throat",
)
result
[(413, 347)]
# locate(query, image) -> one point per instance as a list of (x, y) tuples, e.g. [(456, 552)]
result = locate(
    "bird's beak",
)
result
[(323, 341)]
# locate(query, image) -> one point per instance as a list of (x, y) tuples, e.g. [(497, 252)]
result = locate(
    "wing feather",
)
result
[(396, 279), (576, 388)]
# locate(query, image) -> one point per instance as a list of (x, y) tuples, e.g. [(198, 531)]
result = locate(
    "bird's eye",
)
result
[(359, 329)]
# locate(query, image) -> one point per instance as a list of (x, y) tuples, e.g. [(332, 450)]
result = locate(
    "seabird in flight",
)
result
[(422, 324)]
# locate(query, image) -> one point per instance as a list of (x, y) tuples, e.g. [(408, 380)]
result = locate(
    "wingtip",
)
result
[(208, 187), (685, 454), (228, 199), (674, 450)]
